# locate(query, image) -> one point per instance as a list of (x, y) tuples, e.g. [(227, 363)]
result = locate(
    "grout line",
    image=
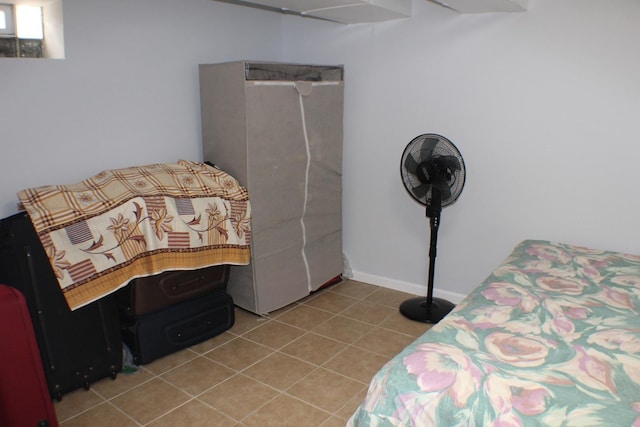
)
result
[(339, 291)]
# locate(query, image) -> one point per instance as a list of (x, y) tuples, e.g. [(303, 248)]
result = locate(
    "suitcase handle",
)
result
[(190, 330), (185, 287)]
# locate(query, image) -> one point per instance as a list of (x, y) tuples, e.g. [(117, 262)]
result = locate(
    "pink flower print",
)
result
[(445, 369), (627, 341), (506, 394), (632, 281), (489, 317), (613, 297), (630, 257), (591, 369), (549, 253), (517, 350), (636, 408), (591, 267), (557, 284), (631, 365), (560, 322), (508, 294), (537, 266)]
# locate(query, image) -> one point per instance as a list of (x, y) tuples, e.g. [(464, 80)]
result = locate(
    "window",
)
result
[(6, 20), (22, 32), (30, 30)]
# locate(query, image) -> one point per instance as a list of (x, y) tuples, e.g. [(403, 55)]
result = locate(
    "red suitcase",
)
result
[(24, 394)]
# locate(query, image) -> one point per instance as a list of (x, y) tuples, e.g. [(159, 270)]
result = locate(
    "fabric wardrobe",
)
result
[(277, 128)]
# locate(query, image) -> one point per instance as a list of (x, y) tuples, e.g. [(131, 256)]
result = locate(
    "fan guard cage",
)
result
[(436, 146)]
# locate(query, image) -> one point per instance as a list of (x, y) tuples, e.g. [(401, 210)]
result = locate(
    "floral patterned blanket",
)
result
[(126, 223), (551, 338)]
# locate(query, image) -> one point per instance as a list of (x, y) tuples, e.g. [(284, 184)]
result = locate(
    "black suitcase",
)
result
[(179, 326), (77, 347), (152, 293)]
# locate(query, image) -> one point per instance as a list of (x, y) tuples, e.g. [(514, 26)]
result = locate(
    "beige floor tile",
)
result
[(326, 389), (274, 334), (384, 342), (314, 348), (388, 297), (307, 364), (305, 317), (368, 312), (279, 312), (75, 402), (212, 343), (397, 322), (245, 321), (331, 301), (239, 353), (354, 289), (286, 411), (150, 400), (279, 370), (334, 422), (103, 415), (343, 329), (198, 375), (350, 407), (357, 364), (166, 363), (238, 396), (109, 388), (193, 413)]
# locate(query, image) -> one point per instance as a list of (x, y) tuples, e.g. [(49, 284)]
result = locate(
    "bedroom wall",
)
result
[(543, 105), (127, 92)]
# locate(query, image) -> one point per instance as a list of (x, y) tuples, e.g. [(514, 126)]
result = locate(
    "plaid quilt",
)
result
[(126, 223)]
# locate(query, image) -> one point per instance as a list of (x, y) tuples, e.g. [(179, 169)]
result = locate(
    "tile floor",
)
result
[(307, 364)]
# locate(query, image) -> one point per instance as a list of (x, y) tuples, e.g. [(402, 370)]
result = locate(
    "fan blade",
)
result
[(445, 191), (426, 150), (410, 164), (420, 191), (451, 162)]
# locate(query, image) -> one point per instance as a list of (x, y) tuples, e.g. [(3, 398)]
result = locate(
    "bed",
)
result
[(550, 338)]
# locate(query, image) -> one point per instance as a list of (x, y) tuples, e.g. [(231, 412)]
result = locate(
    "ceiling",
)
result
[(361, 11)]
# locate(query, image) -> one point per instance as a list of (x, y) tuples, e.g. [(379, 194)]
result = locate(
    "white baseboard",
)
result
[(410, 288)]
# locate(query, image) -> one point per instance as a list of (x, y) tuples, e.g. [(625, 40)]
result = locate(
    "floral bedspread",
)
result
[(126, 223), (551, 338)]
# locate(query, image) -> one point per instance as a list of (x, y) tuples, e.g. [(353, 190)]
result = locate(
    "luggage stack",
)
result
[(76, 347), (166, 312)]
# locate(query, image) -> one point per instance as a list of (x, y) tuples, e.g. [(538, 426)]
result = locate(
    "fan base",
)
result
[(419, 310)]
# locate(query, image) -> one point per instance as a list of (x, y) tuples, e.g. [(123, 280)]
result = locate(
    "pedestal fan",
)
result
[(433, 173)]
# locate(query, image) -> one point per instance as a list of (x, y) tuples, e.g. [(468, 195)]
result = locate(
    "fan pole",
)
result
[(435, 223), (429, 309)]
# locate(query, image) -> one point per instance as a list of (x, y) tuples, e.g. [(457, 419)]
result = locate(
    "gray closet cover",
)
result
[(291, 150)]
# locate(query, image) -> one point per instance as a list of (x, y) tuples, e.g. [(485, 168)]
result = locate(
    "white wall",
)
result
[(543, 105), (127, 92)]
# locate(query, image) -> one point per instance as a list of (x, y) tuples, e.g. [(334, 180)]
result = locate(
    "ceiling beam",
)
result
[(342, 11), (484, 6)]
